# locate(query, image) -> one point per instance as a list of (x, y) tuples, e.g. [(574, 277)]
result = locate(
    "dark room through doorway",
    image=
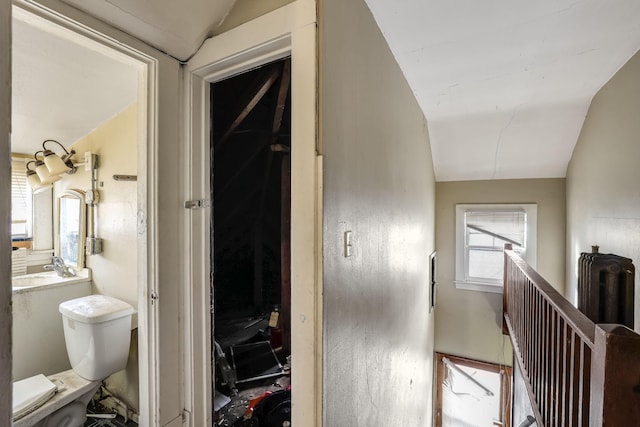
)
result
[(250, 254)]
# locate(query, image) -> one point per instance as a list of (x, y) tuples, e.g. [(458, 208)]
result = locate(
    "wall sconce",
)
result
[(37, 186), (50, 167)]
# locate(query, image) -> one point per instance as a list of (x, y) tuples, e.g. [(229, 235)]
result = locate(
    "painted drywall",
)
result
[(468, 323), (603, 196), (5, 212), (115, 270), (379, 185), (115, 142), (246, 10), (37, 325)]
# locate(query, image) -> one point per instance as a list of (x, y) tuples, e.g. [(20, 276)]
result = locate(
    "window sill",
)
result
[(495, 288)]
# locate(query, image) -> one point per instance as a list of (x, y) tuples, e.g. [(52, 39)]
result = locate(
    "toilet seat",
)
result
[(31, 393), (71, 387)]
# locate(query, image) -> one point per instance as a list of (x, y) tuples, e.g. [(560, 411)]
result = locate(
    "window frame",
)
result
[(506, 388), (19, 184), (462, 279)]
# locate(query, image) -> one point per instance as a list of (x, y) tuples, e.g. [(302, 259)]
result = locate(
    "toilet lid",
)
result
[(31, 393)]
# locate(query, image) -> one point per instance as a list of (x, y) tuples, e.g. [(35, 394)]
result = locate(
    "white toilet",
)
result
[(97, 332)]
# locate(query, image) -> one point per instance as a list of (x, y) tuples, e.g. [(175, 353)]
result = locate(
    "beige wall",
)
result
[(379, 184), (5, 212), (603, 192), (114, 271), (468, 323), (246, 10), (115, 143)]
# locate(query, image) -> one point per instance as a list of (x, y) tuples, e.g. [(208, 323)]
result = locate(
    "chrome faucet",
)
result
[(60, 267)]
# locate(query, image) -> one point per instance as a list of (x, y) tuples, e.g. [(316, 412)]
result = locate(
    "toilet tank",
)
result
[(97, 332)]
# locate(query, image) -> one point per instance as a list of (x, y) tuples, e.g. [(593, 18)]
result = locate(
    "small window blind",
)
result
[(20, 200)]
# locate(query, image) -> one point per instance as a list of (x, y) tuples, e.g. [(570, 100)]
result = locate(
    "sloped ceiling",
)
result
[(62, 88), (505, 85), (175, 27)]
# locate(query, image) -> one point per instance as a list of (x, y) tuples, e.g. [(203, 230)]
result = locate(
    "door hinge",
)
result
[(154, 297), (197, 204)]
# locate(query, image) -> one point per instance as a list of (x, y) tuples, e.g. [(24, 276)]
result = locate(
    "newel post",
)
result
[(615, 377), (505, 290)]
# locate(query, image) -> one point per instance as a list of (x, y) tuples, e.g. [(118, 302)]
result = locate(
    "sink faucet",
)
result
[(59, 266)]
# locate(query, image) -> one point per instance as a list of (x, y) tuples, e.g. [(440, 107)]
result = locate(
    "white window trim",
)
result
[(461, 280)]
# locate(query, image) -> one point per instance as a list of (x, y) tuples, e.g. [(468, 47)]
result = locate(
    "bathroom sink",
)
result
[(48, 278)]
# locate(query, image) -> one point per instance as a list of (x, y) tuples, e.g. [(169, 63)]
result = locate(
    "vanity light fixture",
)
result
[(34, 180), (57, 165), (43, 173), (50, 167)]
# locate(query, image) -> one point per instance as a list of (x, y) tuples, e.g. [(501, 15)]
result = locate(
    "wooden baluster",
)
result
[(585, 394), (566, 378), (575, 378), (505, 290)]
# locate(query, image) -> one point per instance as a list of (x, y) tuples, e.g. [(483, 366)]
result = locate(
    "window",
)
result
[(21, 203), (481, 232)]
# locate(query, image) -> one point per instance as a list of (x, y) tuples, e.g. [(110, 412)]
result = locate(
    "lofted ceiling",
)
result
[(504, 85), (62, 86)]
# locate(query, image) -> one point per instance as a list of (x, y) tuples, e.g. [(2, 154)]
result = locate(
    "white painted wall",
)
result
[(38, 338), (603, 196), (246, 10), (379, 184), (469, 323), (5, 212)]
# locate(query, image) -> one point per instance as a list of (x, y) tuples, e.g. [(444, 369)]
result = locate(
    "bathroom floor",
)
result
[(100, 422), (117, 422)]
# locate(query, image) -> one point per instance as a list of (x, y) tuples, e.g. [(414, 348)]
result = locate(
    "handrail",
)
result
[(576, 373), (578, 321)]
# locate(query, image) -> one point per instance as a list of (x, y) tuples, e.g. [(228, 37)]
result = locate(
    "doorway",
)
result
[(250, 156), (121, 141), (471, 393)]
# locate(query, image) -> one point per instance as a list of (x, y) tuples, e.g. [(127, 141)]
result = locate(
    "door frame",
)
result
[(506, 376), (83, 29), (288, 31)]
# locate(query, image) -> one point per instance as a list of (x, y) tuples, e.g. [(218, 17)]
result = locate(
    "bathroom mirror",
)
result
[(71, 226)]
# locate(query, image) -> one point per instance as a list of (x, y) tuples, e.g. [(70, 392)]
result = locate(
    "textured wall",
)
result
[(5, 213), (246, 10), (603, 195), (115, 143), (379, 184), (468, 323)]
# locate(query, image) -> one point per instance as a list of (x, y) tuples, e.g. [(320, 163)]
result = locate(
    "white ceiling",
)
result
[(175, 27), (505, 85), (62, 87)]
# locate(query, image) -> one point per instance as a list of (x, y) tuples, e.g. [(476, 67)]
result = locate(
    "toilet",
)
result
[(97, 333)]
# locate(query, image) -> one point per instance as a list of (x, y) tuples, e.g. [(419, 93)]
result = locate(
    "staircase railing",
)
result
[(576, 373)]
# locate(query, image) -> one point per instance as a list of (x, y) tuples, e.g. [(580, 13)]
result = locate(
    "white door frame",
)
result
[(82, 29), (290, 30)]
